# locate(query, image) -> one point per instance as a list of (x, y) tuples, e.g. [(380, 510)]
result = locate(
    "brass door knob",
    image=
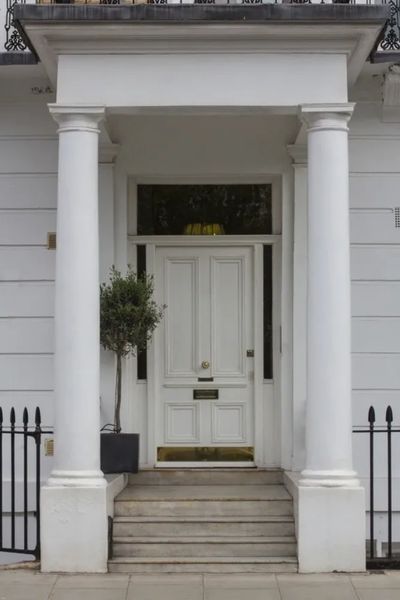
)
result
[(205, 364)]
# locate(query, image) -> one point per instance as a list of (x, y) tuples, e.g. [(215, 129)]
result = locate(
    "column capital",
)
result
[(325, 117), (77, 118)]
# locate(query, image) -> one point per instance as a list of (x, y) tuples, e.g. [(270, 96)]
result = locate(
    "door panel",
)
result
[(227, 318), (182, 316)]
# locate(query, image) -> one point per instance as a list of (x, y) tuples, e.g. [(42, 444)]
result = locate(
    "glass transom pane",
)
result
[(204, 209)]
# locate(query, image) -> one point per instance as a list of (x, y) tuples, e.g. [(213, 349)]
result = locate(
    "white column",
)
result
[(74, 516), (328, 421), (331, 502)]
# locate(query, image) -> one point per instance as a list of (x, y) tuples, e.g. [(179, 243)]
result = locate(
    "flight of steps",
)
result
[(204, 520)]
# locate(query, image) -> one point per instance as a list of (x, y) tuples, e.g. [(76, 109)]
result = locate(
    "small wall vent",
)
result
[(397, 216)]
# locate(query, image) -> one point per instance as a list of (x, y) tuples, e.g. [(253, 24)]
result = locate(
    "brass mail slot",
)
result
[(205, 394)]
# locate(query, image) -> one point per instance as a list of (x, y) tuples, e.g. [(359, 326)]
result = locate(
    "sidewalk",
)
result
[(28, 585)]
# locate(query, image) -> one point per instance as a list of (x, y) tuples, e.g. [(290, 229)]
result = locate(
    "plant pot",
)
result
[(119, 452)]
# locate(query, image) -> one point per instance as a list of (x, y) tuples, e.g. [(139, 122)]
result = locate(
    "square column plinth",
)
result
[(331, 529), (74, 523)]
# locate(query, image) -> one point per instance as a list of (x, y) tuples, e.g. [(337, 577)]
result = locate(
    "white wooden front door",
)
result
[(203, 343)]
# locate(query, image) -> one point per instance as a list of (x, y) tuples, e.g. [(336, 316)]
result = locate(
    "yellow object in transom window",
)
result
[(204, 229)]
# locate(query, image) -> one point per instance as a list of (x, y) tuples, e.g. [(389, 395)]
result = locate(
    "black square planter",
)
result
[(119, 452)]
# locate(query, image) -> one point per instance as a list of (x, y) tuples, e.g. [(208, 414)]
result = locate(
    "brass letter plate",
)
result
[(205, 394)]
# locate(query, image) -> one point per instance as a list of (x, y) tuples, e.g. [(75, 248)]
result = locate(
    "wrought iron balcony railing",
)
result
[(390, 42)]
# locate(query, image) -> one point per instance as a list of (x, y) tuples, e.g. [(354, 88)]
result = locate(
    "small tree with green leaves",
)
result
[(128, 318)]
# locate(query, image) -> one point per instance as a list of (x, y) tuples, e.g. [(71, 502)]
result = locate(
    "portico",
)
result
[(212, 69)]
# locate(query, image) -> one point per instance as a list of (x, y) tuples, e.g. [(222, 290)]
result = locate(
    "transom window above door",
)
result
[(204, 209)]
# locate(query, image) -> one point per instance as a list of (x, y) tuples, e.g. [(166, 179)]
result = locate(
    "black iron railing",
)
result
[(389, 43), (21, 474), (391, 39), (382, 434), (14, 41)]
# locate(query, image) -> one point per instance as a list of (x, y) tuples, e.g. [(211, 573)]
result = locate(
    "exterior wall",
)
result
[(28, 198), (28, 186), (375, 252)]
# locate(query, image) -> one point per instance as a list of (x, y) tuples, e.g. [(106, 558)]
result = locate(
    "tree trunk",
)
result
[(118, 387)]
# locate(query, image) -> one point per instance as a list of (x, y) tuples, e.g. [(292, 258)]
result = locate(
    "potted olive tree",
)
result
[(128, 318)]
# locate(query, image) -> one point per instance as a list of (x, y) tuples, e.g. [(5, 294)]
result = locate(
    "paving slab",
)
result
[(320, 592), (240, 581), (240, 587), (87, 594), (24, 591), (165, 587), (312, 578), (316, 587), (381, 594), (27, 577), (390, 580), (106, 581), (241, 594)]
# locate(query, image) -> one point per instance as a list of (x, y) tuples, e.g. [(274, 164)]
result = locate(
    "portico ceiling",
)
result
[(167, 146)]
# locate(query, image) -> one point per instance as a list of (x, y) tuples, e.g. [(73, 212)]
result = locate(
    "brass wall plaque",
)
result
[(49, 447), (51, 240), (205, 454), (205, 395)]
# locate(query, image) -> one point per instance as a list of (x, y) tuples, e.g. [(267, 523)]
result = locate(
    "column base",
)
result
[(331, 529), (311, 478), (74, 529), (77, 479)]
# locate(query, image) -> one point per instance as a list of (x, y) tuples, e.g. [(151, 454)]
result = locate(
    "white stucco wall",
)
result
[(375, 252)]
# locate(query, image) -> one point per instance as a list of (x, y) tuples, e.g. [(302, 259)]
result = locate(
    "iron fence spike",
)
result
[(371, 415), (38, 417), (389, 414)]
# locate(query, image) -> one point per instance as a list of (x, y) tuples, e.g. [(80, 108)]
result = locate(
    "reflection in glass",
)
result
[(204, 209)]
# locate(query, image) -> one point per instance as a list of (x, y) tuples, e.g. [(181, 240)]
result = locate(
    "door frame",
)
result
[(256, 242)]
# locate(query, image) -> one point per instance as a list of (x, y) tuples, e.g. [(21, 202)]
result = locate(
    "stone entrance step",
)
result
[(206, 520), (171, 564), (204, 526), (203, 500), (216, 476)]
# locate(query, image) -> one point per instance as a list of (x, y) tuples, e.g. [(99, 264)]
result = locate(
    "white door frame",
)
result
[(256, 242)]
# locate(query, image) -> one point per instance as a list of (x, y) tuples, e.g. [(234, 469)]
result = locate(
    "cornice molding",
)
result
[(354, 39)]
